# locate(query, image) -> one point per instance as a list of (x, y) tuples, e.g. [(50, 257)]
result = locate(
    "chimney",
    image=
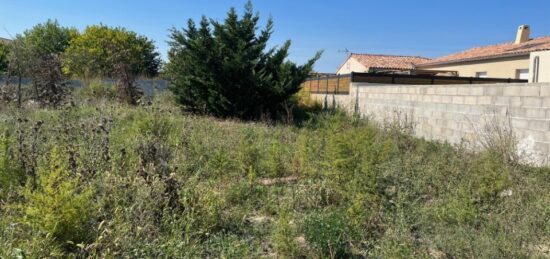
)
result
[(523, 34)]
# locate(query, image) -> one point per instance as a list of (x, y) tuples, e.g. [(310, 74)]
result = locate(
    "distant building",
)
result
[(506, 60), (524, 58), (365, 63)]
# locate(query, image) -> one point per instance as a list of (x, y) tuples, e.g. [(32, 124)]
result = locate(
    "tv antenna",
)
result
[(345, 50)]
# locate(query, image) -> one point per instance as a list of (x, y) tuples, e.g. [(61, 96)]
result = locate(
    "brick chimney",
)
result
[(523, 34)]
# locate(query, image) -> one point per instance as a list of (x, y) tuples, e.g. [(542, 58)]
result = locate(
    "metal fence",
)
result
[(149, 86), (340, 84)]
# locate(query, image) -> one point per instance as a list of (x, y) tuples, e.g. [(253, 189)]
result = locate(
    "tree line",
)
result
[(215, 68)]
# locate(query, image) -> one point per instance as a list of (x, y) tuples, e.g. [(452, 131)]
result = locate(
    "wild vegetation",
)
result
[(104, 172), (48, 54), (102, 179), (4, 51)]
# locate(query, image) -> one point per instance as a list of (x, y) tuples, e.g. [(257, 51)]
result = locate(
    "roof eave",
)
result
[(394, 68), (473, 59)]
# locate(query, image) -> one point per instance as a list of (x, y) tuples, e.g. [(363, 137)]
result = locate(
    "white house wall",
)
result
[(352, 65), (544, 66)]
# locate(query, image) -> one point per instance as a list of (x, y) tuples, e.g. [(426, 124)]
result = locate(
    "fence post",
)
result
[(326, 90), (318, 82), (337, 84)]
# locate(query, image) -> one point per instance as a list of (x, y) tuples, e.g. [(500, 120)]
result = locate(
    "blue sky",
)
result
[(428, 28)]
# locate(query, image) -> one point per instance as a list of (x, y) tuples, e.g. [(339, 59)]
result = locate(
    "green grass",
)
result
[(100, 179)]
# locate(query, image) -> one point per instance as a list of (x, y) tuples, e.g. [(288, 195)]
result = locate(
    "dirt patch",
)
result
[(281, 180)]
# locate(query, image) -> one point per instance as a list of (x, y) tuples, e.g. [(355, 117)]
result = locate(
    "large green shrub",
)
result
[(224, 69), (97, 51)]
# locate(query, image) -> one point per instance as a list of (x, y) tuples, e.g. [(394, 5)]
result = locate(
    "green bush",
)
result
[(328, 233), (489, 176), (10, 174), (225, 70), (284, 236), (60, 206), (99, 89)]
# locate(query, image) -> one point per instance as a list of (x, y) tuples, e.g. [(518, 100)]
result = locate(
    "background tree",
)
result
[(36, 54), (4, 52), (49, 38), (97, 52), (224, 69)]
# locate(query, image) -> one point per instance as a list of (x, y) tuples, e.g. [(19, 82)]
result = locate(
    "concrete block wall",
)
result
[(458, 113)]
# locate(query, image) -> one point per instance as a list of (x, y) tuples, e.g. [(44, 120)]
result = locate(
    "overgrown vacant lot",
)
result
[(100, 179)]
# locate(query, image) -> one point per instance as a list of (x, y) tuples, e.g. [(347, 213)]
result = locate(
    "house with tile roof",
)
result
[(520, 59), (525, 58), (379, 63)]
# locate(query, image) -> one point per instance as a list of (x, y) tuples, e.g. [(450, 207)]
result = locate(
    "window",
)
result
[(522, 74), (481, 74), (536, 62)]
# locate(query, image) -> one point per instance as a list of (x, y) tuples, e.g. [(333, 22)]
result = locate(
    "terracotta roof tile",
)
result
[(494, 51), (388, 61)]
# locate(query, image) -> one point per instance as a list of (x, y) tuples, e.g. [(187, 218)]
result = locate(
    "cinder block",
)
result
[(451, 90), (520, 123), (476, 90), (535, 113), (458, 99), (547, 136), (531, 101), (463, 90), (478, 109), (511, 91), (485, 100), (545, 90), (502, 100), (542, 125), (515, 101), (469, 100), (500, 110), (440, 90), (446, 99), (529, 91), (517, 112), (493, 90)]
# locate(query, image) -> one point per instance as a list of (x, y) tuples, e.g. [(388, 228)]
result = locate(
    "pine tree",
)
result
[(225, 69)]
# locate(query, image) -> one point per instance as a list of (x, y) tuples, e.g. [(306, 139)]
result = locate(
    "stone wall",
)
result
[(458, 113)]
